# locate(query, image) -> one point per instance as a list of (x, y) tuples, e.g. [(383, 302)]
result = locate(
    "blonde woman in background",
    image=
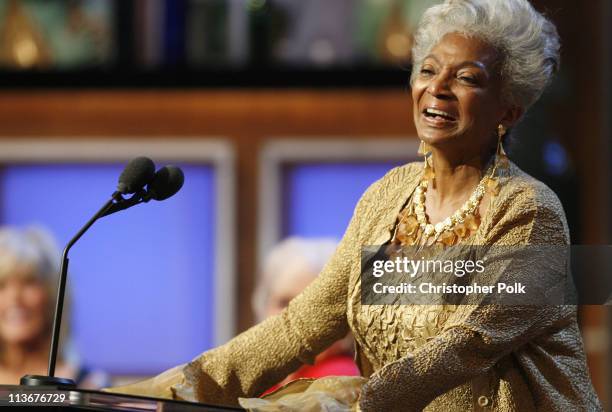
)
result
[(288, 269), (29, 267)]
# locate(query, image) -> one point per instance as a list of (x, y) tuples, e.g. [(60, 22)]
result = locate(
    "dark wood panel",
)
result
[(232, 113)]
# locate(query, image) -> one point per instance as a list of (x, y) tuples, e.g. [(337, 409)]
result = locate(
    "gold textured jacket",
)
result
[(436, 358)]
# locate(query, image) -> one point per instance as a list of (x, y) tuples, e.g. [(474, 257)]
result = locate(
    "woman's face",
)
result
[(457, 95), (23, 306), (287, 286)]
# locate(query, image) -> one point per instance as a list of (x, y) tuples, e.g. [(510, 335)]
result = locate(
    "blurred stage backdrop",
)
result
[(281, 112)]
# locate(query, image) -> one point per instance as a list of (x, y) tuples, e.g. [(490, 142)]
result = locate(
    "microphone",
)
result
[(166, 183), (138, 173)]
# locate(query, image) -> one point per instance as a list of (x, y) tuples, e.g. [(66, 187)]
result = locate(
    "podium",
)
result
[(49, 398)]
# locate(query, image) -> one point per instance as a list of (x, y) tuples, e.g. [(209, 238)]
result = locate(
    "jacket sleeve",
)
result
[(263, 355), (471, 345)]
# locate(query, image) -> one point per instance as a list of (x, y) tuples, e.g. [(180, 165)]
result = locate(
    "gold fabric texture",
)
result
[(432, 358), (337, 393)]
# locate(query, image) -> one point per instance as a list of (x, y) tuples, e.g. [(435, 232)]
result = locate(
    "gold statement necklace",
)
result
[(414, 227)]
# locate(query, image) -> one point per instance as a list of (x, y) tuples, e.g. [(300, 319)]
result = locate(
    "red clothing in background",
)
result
[(337, 365)]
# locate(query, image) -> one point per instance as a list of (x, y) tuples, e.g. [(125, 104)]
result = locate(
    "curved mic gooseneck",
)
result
[(137, 173)]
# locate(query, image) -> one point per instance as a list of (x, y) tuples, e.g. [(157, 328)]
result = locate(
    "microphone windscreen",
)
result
[(167, 181), (138, 172)]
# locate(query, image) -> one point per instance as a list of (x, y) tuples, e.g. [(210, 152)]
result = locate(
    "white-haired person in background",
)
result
[(478, 66), (29, 270), (288, 269)]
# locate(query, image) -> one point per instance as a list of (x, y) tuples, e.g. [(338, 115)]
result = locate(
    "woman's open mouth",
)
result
[(437, 117)]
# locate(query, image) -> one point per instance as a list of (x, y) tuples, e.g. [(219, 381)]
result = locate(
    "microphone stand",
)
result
[(115, 201)]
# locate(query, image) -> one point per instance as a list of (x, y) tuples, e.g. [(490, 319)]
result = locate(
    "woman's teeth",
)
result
[(438, 113)]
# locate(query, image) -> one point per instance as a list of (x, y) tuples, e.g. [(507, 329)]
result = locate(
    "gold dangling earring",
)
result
[(502, 158), (425, 151), (501, 161)]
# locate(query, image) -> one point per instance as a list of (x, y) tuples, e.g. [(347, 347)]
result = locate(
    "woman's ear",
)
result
[(512, 115)]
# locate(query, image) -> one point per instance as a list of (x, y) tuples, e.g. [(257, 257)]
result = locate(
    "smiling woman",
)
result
[(458, 107), (478, 66), (457, 96), (29, 264)]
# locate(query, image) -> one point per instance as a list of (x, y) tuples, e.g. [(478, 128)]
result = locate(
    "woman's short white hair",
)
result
[(312, 253), (33, 248), (527, 41), (33, 252)]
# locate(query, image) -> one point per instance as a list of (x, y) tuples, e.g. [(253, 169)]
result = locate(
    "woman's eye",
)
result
[(468, 79), (426, 71)]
